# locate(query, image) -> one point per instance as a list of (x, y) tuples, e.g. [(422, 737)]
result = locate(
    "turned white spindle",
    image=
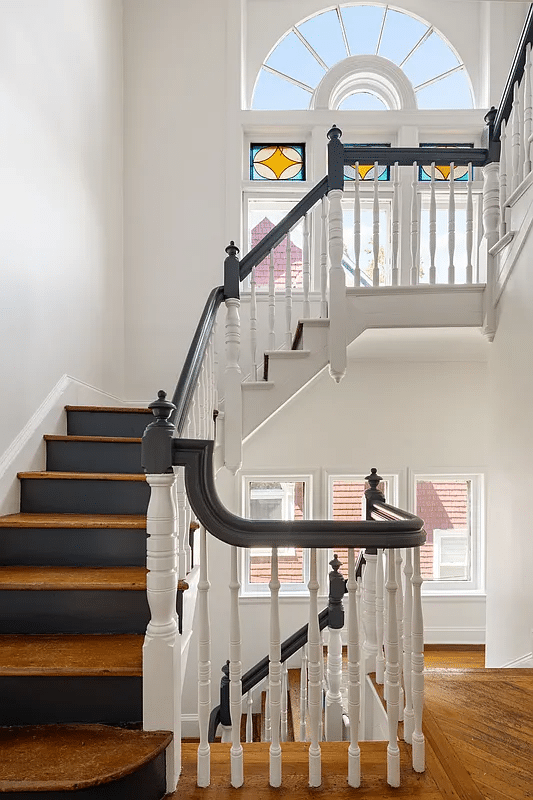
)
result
[(375, 228), (288, 294), (235, 674), (249, 716), (333, 708), (370, 646), (432, 227), (415, 240), (162, 644), (521, 111), (204, 666), (337, 289), (315, 676), (183, 523), (253, 324), (324, 258), (392, 675), (528, 114), (362, 671), (380, 658), (232, 386), (303, 694), (451, 226), (395, 225), (417, 660), (306, 269), (284, 690), (515, 138), (408, 714), (268, 731), (469, 227), (354, 685), (274, 673), (399, 615), (503, 177), (271, 303), (491, 220), (357, 228)]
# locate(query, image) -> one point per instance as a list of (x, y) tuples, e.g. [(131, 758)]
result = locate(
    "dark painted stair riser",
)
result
[(76, 456), (106, 423), (43, 700), (73, 547), (146, 783), (83, 496)]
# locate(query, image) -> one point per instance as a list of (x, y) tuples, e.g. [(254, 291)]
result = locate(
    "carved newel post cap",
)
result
[(490, 116), (373, 479), (337, 588), (334, 133), (232, 249), (335, 564), (162, 409)]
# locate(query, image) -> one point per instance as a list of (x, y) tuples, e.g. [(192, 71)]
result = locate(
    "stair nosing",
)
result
[(106, 439), (58, 579), (68, 521), (258, 384), (273, 354), (114, 409), (92, 476)]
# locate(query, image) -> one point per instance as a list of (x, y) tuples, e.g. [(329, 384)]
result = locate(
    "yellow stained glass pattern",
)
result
[(278, 162), (442, 173)]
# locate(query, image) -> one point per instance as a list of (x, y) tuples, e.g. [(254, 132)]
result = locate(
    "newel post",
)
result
[(491, 229), (337, 280), (333, 714), (232, 374), (162, 645), (370, 641)]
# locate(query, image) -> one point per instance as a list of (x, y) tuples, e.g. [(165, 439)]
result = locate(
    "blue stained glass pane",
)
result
[(363, 24), (274, 174), (323, 33), (400, 34), (363, 101), (450, 92), (432, 58), (273, 92), (294, 59)]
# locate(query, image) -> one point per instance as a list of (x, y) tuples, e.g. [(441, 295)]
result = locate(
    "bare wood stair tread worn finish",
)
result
[(137, 521), (117, 409), (84, 476), (73, 578), (70, 438), (78, 654), (67, 757)]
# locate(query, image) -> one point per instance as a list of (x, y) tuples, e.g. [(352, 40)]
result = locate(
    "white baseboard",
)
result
[(189, 726), (524, 661), (26, 451), (454, 635)]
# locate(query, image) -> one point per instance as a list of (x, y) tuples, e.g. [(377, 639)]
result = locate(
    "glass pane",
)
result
[(348, 503), (400, 34), (450, 92), (362, 101), (362, 24), (432, 58), (262, 216), (366, 253), (445, 507), (442, 258), (273, 92), (283, 500), (324, 34), (294, 59), (277, 162)]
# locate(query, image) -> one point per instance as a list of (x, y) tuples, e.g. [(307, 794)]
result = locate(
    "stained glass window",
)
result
[(277, 162), (366, 171), (442, 171)]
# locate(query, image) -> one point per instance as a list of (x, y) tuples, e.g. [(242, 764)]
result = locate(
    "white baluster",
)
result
[(324, 258), (204, 666), (188, 549), (370, 646), (417, 678), (521, 152), (232, 385), (392, 674), (354, 685), (235, 675), (375, 228), (315, 683), (469, 227), (303, 694), (357, 228), (162, 644), (271, 304), (306, 269), (268, 730), (380, 659), (284, 690), (362, 671), (503, 178), (253, 324), (451, 226), (529, 144), (528, 113), (399, 616), (337, 289), (414, 227), (491, 219), (183, 523), (395, 225), (333, 710), (408, 714), (515, 138), (274, 674), (432, 227), (249, 716), (288, 294)]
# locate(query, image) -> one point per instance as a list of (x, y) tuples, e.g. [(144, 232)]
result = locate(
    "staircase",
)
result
[(73, 614)]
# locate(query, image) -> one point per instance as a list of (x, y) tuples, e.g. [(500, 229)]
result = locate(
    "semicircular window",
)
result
[(306, 52)]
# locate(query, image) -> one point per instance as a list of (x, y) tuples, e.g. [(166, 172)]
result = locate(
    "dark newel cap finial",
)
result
[(162, 409), (335, 563), (232, 249), (373, 479), (337, 587), (490, 116), (334, 133)]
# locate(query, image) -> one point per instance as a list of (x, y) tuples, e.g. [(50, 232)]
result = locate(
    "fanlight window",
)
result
[(289, 77)]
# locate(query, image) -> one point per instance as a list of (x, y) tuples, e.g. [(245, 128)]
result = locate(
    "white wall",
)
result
[(60, 201)]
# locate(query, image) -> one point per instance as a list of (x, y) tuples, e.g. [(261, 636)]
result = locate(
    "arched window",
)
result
[(362, 57)]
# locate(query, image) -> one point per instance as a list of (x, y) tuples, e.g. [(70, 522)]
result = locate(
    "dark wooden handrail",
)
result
[(404, 156), (517, 70)]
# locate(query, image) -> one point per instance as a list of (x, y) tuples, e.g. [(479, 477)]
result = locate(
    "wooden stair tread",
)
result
[(93, 476), (121, 439), (116, 409), (75, 654), (73, 578), (65, 757), (137, 521)]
